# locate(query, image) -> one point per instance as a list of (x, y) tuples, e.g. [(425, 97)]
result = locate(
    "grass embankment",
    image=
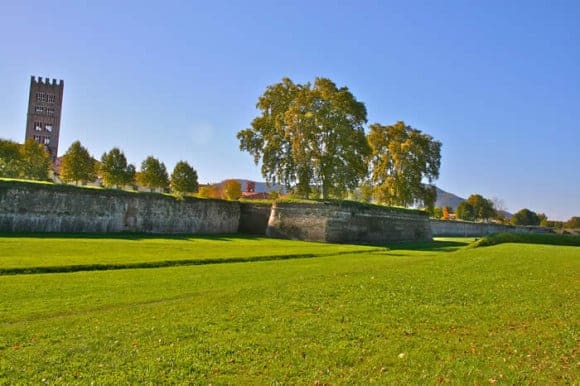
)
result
[(412, 314), (528, 238), (51, 253)]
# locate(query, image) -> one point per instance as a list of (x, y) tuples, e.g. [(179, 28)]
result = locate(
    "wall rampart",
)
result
[(347, 223), (32, 207), (442, 228)]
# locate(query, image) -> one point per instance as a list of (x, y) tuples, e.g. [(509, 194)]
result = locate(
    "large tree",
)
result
[(35, 160), (154, 174), (183, 178), (77, 165), (482, 207), (402, 159), (114, 169), (310, 134), (525, 217)]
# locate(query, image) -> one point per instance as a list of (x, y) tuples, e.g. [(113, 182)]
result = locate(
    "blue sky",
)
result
[(497, 82)]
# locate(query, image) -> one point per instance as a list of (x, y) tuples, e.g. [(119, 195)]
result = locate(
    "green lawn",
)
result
[(78, 252), (415, 313)]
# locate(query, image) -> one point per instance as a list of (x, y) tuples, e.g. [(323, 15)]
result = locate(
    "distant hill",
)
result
[(447, 199)]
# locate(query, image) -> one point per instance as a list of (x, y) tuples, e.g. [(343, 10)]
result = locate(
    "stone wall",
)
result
[(441, 228), (347, 223), (254, 218), (33, 207)]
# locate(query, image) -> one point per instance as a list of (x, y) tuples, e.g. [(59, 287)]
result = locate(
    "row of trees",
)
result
[(32, 161), (79, 166), (311, 138), (478, 208)]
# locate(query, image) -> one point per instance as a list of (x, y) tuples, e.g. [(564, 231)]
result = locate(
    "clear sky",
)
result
[(497, 82)]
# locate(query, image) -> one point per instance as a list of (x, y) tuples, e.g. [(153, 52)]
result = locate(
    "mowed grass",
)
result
[(38, 253), (413, 314)]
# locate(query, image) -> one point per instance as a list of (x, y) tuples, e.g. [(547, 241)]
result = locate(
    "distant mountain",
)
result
[(447, 199)]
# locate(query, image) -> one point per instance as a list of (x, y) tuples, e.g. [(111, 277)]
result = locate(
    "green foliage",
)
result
[(114, 169), (209, 191), (482, 207), (35, 161), (309, 135), (365, 192), (437, 213), (10, 159), (401, 158), (573, 223), (529, 238), (407, 316), (525, 217), (154, 174), (553, 224), (232, 190), (77, 165), (183, 178), (465, 211)]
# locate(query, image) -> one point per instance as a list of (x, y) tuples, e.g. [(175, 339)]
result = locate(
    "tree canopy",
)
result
[(34, 160), (232, 190), (183, 178), (77, 165), (10, 159), (114, 169), (482, 207), (154, 174), (573, 223), (465, 211), (401, 159), (208, 191), (309, 134), (525, 217)]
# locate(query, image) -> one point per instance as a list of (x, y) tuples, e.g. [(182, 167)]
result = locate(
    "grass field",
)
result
[(412, 313)]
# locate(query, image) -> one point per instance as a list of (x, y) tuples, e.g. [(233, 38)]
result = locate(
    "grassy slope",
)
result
[(414, 314), (63, 252)]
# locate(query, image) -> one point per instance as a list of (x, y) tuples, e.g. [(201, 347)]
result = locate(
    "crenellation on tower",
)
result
[(44, 113)]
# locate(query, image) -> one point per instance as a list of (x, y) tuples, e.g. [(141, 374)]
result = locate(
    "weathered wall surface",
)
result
[(469, 229), (254, 218), (30, 207), (347, 223)]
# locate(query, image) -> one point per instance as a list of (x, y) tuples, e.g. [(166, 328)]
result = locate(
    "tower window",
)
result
[(37, 126), (48, 128), (37, 138), (38, 109), (50, 111), (51, 98), (46, 140)]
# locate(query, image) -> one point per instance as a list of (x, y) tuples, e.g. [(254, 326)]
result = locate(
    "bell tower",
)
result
[(44, 109)]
